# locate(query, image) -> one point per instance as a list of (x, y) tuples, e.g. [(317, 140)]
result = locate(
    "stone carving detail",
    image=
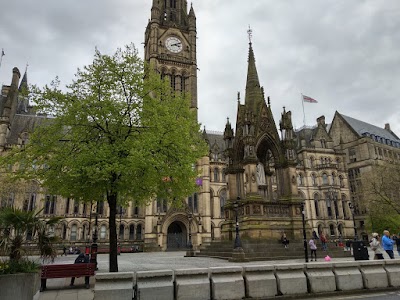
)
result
[(277, 210), (256, 209)]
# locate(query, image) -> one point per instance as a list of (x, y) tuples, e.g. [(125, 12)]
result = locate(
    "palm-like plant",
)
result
[(15, 224)]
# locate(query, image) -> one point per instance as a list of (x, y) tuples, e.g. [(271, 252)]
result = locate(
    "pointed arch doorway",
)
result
[(176, 236)]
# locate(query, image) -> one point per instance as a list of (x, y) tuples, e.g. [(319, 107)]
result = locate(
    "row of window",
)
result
[(325, 179), (382, 140), (217, 175), (103, 231)]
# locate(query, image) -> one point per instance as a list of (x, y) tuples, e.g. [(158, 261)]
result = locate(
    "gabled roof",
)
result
[(366, 129)]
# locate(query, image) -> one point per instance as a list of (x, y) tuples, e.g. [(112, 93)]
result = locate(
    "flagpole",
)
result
[(304, 114), (1, 57)]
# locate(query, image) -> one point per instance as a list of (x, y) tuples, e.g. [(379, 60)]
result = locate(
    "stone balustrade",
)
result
[(255, 281)]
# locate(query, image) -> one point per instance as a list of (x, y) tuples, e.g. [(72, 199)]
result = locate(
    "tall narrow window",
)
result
[(331, 229), (222, 200), (103, 232), (139, 232), (100, 207), (313, 179), (324, 179), (216, 175), (76, 207), (74, 229), (316, 205), (131, 232), (328, 205), (68, 201)]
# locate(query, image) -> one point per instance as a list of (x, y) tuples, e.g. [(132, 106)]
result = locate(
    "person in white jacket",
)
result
[(376, 246), (313, 249)]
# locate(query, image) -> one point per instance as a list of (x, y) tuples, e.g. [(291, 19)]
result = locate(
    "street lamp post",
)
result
[(352, 208), (304, 232), (190, 252), (94, 247), (238, 242)]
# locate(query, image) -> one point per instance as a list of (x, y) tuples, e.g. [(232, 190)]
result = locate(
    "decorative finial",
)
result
[(227, 120), (250, 33), (269, 103), (26, 67), (238, 96)]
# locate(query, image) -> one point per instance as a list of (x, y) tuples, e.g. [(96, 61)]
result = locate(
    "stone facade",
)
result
[(272, 170), (364, 146)]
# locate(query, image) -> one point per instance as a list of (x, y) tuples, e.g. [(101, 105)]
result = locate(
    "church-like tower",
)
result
[(261, 166), (170, 45)]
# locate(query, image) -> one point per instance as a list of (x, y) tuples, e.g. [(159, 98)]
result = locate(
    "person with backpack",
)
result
[(81, 259)]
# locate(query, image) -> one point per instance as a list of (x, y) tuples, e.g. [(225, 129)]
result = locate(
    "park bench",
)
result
[(65, 271)]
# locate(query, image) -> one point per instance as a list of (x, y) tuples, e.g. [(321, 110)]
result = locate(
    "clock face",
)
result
[(173, 44)]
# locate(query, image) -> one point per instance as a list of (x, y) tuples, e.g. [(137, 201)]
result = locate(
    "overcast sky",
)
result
[(343, 53)]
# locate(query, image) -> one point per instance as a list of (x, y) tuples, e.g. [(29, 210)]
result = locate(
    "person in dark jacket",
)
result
[(81, 259)]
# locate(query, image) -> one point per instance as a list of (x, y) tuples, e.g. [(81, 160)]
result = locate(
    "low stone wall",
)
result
[(256, 281)]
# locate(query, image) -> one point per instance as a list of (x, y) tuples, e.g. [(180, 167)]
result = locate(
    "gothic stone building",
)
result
[(269, 172)]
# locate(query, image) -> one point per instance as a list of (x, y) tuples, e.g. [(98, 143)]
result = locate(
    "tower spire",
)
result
[(253, 89)]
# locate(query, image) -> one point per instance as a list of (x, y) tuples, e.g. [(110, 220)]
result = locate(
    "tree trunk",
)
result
[(112, 202)]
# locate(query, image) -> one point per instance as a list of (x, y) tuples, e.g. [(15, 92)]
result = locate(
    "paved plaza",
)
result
[(59, 289)]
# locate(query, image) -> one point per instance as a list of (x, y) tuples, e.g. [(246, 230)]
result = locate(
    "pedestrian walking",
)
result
[(81, 259), (313, 249), (323, 239), (387, 243), (285, 241), (64, 250), (397, 240), (376, 246)]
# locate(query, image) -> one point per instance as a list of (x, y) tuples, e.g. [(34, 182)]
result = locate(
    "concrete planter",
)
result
[(21, 286)]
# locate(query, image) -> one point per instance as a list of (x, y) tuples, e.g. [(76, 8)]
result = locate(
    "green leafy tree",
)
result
[(381, 197), (118, 133)]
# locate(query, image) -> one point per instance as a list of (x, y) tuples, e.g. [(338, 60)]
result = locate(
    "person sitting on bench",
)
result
[(81, 259)]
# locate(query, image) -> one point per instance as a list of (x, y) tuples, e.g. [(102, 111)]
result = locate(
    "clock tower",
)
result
[(170, 45)]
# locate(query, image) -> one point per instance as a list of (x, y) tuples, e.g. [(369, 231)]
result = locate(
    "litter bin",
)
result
[(360, 250)]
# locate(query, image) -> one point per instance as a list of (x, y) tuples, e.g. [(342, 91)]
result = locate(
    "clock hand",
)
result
[(176, 44)]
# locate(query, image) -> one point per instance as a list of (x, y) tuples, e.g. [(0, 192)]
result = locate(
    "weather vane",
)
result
[(250, 33)]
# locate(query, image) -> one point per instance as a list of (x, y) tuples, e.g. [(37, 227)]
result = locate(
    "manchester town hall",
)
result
[(262, 169)]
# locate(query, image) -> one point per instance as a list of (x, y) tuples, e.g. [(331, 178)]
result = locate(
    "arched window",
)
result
[(325, 179), (328, 205), (131, 232), (312, 161), (161, 205), (76, 207), (340, 229), (222, 200), (216, 175), (344, 206), (121, 232), (335, 203), (316, 204), (64, 232), (139, 232), (333, 178), (83, 232), (100, 207), (68, 202), (313, 180), (73, 232), (332, 229), (300, 180), (103, 232), (193, 203), (212, 203), (323, 143), (29, 235), (50, 204)]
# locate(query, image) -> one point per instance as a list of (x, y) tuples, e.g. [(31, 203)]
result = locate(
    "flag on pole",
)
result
[(309, 99)]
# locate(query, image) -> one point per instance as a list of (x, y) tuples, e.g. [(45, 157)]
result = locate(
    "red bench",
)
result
[(64, 271)]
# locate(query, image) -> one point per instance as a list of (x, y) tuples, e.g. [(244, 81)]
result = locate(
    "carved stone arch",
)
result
[(221, 189), (302, 195), (264, 143)]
